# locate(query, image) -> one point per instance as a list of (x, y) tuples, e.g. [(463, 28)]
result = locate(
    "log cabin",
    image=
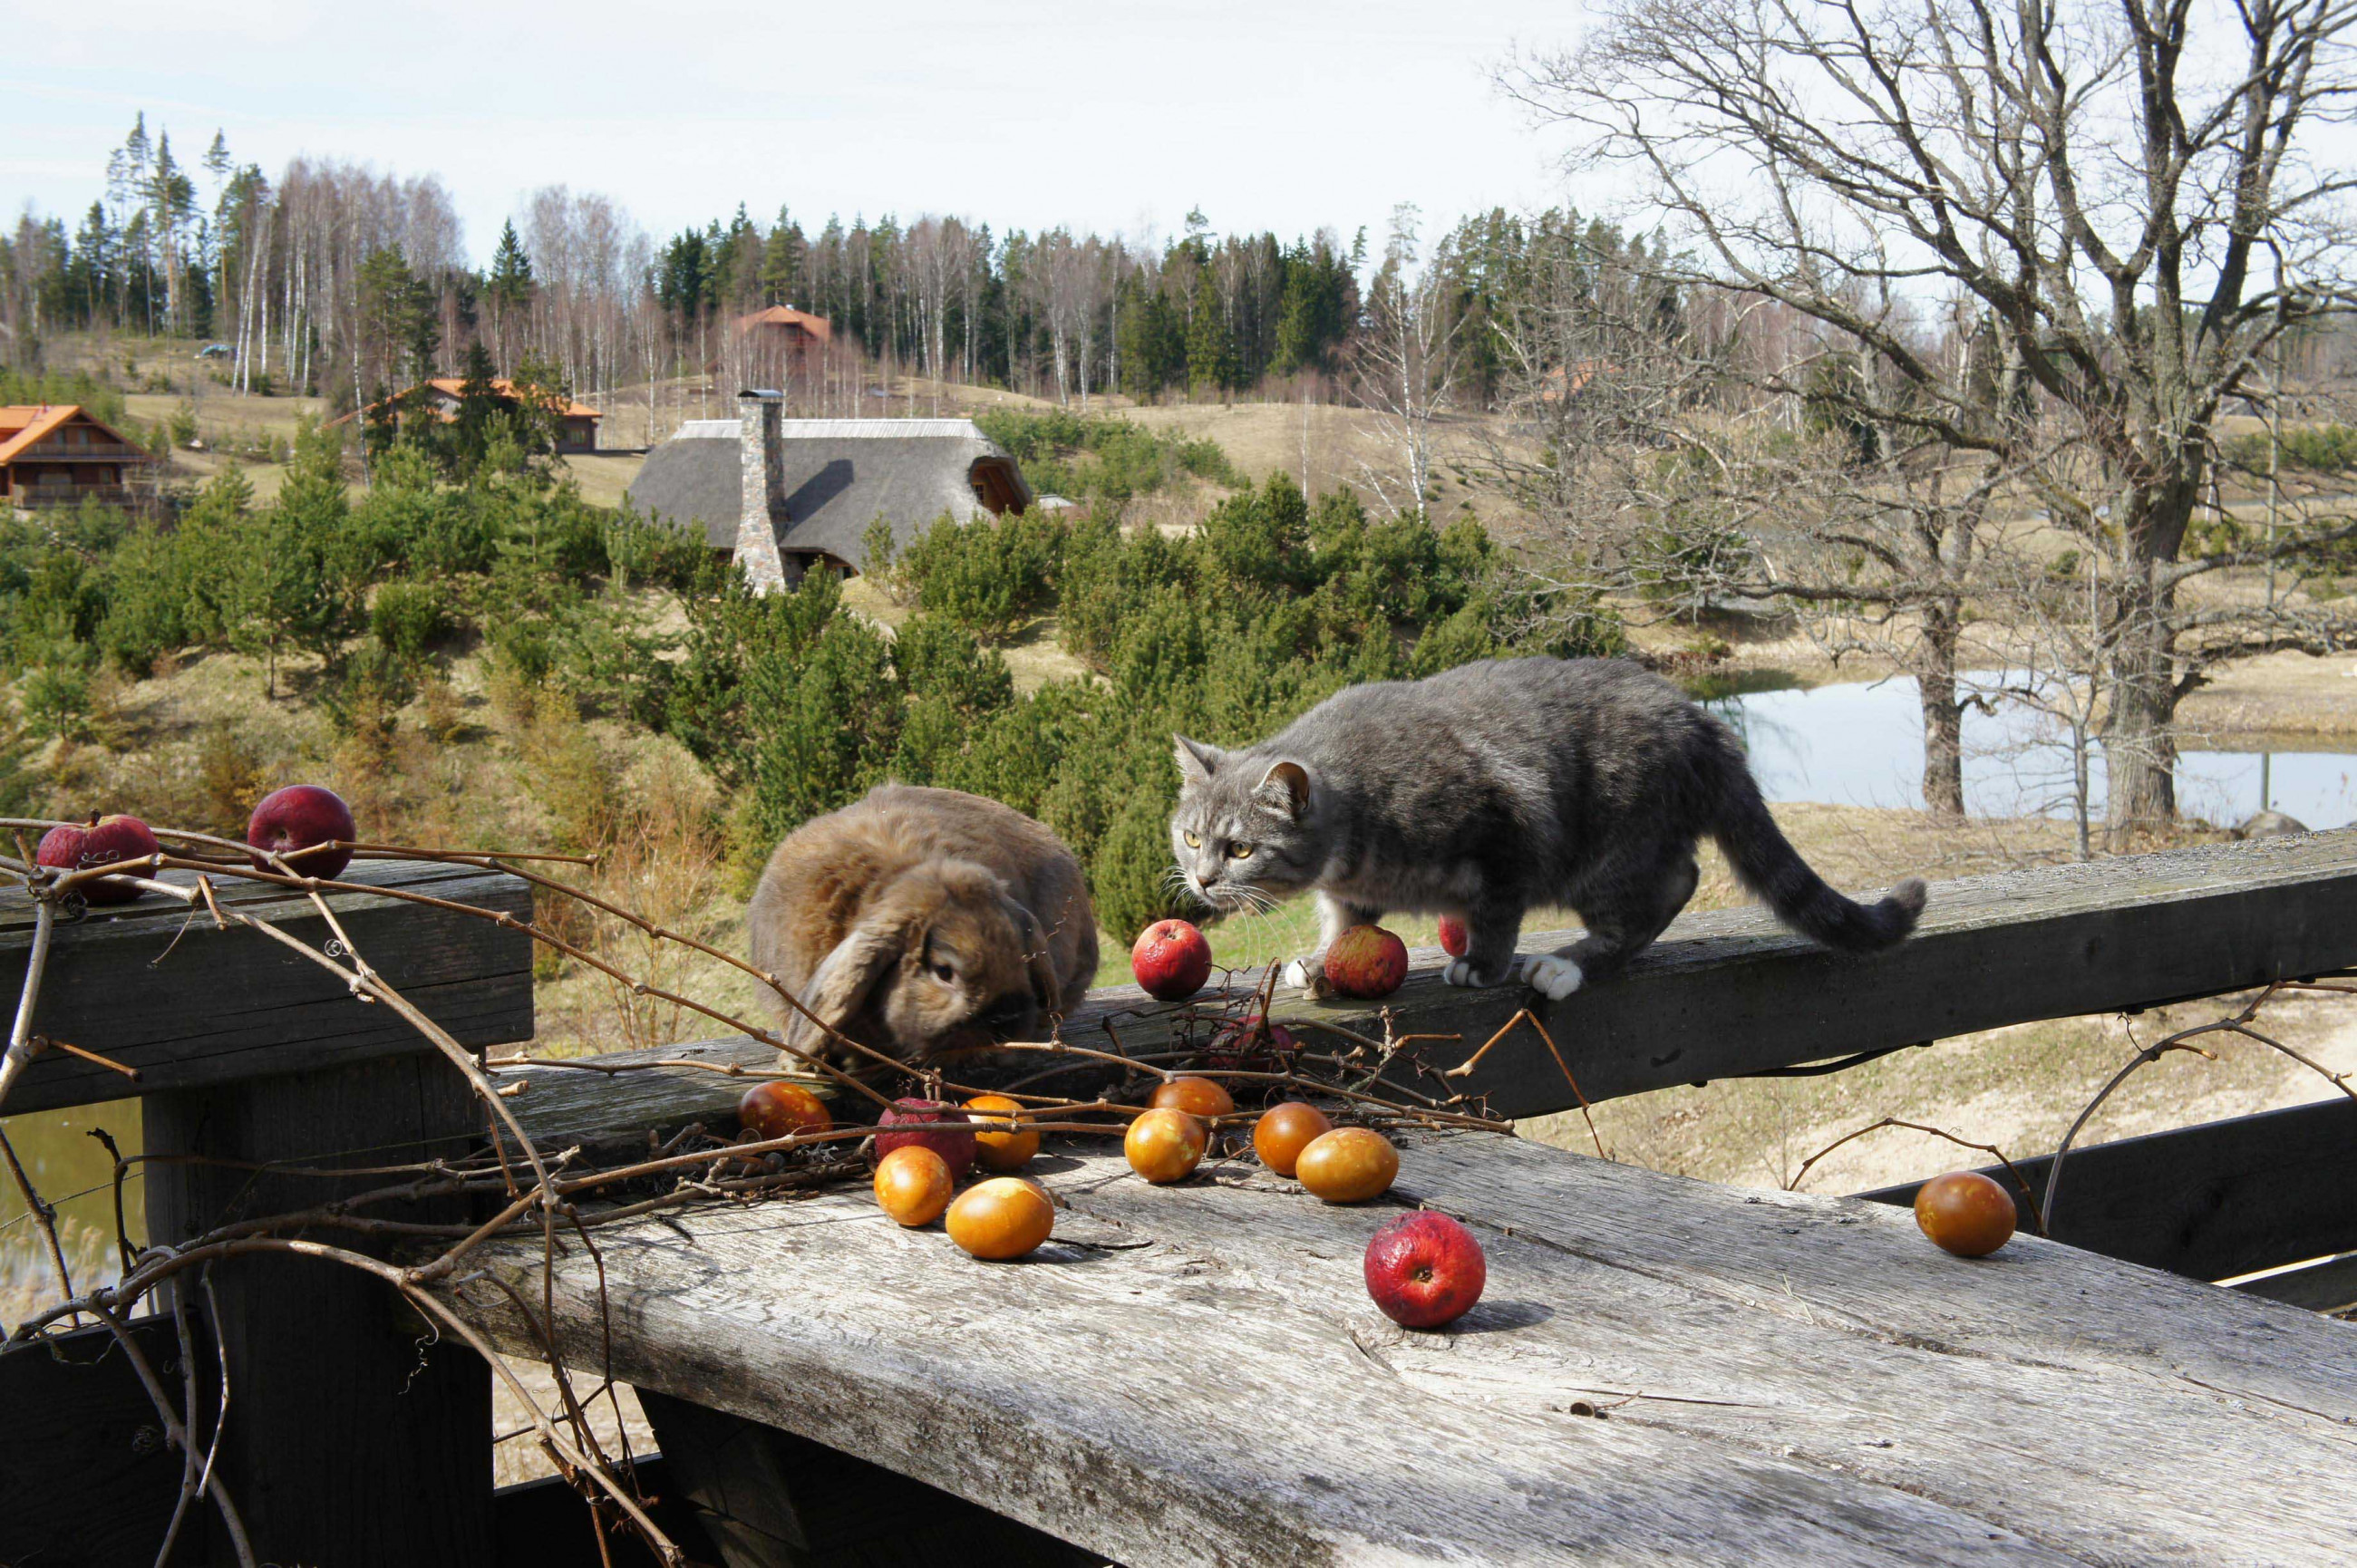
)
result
[(60, 454)]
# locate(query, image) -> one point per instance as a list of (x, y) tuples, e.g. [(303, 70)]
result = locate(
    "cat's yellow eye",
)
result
[(1239, 851), (1193, 842)]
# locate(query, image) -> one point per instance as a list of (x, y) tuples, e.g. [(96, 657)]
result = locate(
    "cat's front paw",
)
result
[(1460, 971), (1552, 977), (1303, 971)]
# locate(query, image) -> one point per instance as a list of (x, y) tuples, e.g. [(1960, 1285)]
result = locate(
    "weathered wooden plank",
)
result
[(2218, 1199), (347, 1410), (164, 992), (1727, 993), (562, 1106), (87, 1480), (1731, 992), (1194, 1375)]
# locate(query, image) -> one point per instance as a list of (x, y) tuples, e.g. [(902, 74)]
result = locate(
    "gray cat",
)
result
[(1490, 790)]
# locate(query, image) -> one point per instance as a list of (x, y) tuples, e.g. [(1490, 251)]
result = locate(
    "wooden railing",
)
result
[(1187, 1378)]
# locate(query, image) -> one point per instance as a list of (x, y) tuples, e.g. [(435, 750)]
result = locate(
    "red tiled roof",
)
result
[(24, 425), (818, 326), (454, 386), (506, 389)]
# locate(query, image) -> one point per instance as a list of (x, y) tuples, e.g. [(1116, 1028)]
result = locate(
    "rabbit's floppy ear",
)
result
[(838, 988), (1047, 987)]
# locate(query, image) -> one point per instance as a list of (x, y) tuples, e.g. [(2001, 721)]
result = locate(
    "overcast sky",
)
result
[(1114, 116)]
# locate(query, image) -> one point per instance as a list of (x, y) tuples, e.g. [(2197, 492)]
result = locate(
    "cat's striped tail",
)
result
[(1766, 863)]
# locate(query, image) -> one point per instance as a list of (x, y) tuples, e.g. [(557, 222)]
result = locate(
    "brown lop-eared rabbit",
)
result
[(922, 922)]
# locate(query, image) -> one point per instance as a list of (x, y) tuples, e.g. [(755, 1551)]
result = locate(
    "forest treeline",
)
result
[(333, 280)]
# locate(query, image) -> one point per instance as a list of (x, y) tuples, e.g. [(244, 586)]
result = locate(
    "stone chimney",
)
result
[(761, 451)]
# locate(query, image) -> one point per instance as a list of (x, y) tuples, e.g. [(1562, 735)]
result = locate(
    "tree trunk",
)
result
[(2139, 739), (1943, 719)]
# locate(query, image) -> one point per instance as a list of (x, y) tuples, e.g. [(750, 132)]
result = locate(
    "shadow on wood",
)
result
[(768, 1498), (87, 1480)]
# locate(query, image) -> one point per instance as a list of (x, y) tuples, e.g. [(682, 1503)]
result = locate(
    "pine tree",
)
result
[(478, 410), (782, 261), (1211, 356), (507, 288)]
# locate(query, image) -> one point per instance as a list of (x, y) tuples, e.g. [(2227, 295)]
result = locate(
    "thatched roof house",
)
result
[(805, 491)]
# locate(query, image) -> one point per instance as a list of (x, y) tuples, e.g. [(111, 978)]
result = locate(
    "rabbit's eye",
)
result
[(1193, 842), (1240, 852), (945, 974)]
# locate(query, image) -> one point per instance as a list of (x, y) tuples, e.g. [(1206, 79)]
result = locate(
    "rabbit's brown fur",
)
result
[(920, 922)]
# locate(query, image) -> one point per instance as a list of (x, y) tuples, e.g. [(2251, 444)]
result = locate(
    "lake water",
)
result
[(1862, 744)]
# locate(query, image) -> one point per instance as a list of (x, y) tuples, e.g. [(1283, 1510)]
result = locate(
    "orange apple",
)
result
[(1164, 1145), (1002, 1140), (1349, 1164)]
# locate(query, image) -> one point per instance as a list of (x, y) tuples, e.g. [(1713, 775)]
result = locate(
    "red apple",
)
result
[(297, 817), (1366, 961), (1425, 1270), (1453, 938), (928, 1124), (1171, 960), (102, 840)]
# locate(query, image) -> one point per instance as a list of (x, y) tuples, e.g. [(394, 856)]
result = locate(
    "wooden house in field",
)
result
[(576, 423), (781, 496), (60, 454), (785, 331)]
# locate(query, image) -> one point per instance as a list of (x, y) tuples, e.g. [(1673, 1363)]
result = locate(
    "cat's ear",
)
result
[(1198, 762), (1285, 786)]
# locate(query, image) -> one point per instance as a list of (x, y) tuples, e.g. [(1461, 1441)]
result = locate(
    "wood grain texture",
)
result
[(346, 1410), (87, 1480), (189, 1005), (2218, 1199), (560, 1106), (1195, 1375)]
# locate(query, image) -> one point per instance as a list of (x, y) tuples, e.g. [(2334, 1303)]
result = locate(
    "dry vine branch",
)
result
[(546, 1191)]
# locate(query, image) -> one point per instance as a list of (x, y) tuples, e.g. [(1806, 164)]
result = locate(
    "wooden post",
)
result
[(351, 1435)]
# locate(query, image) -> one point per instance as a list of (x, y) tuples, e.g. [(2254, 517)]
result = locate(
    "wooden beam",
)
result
[(1195, 1375), (158, 989), (1724, 993), (1731, 992), (2209, 1201), (87, 1480), (345, 1407)]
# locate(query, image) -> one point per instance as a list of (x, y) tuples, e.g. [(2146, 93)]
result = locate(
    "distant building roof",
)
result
[(454, 387), (506, 390), (840, 475), (786, 316), (24, 425)]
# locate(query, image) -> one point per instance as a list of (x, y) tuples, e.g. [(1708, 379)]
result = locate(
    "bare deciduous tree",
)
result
[(1406, 365), (2125, 190)]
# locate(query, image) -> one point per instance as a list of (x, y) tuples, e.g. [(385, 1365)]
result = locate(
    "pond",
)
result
[(1862, 744), (72, 1170)]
